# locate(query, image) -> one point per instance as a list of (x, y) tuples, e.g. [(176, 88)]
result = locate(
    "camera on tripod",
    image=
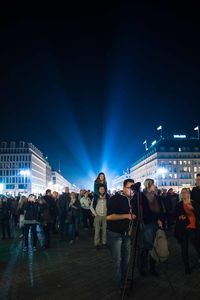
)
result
[(136, 187)]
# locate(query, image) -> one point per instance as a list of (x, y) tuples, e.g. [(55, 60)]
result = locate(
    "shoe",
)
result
[(104, 246), (21, 236), (71, 242), (34, 248), (25, 249)]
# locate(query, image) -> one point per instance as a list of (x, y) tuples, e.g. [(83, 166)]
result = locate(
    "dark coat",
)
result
[(31, 211), (148, 216), (181, 225)]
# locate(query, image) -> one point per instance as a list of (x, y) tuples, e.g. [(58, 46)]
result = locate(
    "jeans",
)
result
[(119, 245), (191, 235), (148, 235), (34, 234), (74, 228)]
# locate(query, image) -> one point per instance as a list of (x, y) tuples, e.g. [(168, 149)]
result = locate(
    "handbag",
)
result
[(160, 250)]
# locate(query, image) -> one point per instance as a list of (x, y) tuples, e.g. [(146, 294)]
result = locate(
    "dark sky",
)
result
[(88, 86)]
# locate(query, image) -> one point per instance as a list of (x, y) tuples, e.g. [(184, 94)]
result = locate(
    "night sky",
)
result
[(89, 86)]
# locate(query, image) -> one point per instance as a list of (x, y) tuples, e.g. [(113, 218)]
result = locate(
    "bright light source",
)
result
[(179, 136), (162, 171), (1, 188), (24, 172), (153, 143)]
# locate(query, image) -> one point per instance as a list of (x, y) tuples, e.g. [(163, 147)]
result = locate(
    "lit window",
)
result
[(175, 176), (181, 162), (179, 149), (174, 162), (195, 169)]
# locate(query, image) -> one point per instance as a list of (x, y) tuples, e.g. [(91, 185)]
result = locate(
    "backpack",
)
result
[(160, 250)]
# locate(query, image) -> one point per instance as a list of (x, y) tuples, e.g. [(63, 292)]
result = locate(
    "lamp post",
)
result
[(160, 128), (197, 129), (145, 143)]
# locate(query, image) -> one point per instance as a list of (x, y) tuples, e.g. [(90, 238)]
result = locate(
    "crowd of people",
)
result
[(110, 215)]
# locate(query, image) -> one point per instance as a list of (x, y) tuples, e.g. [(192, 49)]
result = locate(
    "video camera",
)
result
[(136, 187)]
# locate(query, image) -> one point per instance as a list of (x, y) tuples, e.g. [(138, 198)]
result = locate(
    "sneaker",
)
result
[(25, 248), (21, 236), (34, 248), (71, 242)]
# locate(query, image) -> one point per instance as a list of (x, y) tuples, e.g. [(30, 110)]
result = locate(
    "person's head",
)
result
[(73, 195), (31, 198), (198, 180), (41, 200), (86, 193), (149, 185), (48, 192), (101, 190), (101, 177), (170, 191), (127, 187), (185, 194), (67, 189), (55, 195)]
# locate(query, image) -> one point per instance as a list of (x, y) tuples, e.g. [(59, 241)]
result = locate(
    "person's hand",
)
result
[(131, 217), (182, 217), (160, 224)]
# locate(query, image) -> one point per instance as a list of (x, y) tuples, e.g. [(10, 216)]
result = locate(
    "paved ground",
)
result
[(81, 272)]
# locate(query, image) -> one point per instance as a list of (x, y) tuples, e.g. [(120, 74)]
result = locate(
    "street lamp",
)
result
[(160, 128), (197, 129)]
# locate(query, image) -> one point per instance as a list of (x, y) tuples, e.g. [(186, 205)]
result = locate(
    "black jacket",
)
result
[(195, 195), (181, 225), (31, 211), (147, 216)]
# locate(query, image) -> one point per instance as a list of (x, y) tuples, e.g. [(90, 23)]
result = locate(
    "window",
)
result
[(180, 162), (174, 162), (10, 186), (179, 149)]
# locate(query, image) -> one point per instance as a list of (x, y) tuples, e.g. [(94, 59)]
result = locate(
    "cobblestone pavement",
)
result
[(81, 272)]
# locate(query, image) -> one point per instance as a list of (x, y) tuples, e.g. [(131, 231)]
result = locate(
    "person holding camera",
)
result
[(151, 218), (119, 216)]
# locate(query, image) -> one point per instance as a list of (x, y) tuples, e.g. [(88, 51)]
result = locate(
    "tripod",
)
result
[(134, 235), (134, 231)]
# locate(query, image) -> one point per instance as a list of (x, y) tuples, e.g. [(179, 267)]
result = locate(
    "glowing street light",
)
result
[(160, 128), (145, 143), (153, 143), (1, 188), (197, 129), (24, 172), (179, 136), (162, 171)]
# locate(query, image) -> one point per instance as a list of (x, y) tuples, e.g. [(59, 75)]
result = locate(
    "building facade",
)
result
[(117, 182), (172, 163), (23, 169), (58, 182)]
